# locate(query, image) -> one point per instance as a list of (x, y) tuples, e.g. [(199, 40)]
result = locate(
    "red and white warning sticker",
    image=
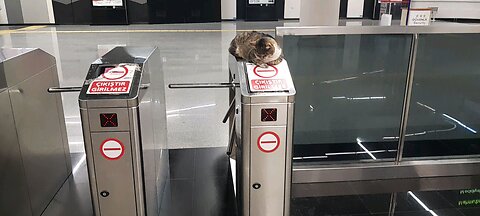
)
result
[(269, 72), (272, 78), (268, 142), (269, 84), (114, 80), (112, 149)]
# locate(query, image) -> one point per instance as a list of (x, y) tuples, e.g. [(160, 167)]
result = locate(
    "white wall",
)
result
[(3, 13), (37, 11), (319, 12), (229, 9), (292, 9), (466, 9), (355, 8)]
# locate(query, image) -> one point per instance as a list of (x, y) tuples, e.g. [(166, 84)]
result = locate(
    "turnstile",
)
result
[(261, 125), (34, 152), (122, 108)]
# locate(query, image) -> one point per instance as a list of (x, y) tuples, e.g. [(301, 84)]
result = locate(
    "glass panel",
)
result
[(350, 91), (431, 203), (445, 107)]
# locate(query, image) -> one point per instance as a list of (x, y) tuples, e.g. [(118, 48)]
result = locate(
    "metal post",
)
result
[(264, 123), (127, 163), (407, 99)]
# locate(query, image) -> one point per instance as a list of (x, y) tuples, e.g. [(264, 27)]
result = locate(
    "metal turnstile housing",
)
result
[(132, 182), (34, 151), (263, 143)]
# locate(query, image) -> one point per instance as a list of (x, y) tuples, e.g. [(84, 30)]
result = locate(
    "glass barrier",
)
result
[(410, 203), (444, 118), (350, 92)]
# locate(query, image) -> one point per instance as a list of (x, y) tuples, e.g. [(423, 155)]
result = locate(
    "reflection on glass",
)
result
[(445, 107), (412, 203), (350, 91)]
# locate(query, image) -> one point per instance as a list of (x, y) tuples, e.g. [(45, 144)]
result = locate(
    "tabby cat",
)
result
[(255, 47)]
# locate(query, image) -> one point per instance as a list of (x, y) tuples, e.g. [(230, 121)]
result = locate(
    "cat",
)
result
[(257, 48)]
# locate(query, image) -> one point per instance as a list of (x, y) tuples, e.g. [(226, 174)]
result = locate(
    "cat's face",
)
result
[(266, 47)]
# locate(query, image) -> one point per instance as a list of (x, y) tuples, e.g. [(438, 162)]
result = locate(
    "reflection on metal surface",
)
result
[(190, 108), (77, 166), (173, 115), (421, 203), (359, 142), (310, 157), (460, 123)]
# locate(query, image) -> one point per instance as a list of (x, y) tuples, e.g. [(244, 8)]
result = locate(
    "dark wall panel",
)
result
[(203, 11), (138, 11), (280, 4), (180, 11), (241, 5), (261, 13), (368, 9), (14, 11), (82, 11), (343, 8), (63, 11)]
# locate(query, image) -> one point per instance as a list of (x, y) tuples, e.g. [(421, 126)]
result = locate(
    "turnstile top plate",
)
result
[(242, 72), (118, 55)]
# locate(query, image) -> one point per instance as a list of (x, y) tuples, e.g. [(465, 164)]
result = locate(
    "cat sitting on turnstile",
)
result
[(255, 47)]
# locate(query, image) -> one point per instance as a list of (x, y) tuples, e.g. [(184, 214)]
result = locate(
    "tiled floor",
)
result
[(199, 185)]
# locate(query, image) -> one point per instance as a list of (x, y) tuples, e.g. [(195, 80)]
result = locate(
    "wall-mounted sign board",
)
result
[(261, 1), (110, 3)]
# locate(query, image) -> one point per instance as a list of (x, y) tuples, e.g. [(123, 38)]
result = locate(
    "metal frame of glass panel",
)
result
[(315, 179)]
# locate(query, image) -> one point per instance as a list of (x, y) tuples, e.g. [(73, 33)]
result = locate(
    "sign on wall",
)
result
[(100, 3), (419, 17), (261, 1)]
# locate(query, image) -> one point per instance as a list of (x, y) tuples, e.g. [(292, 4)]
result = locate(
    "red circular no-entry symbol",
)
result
[(269, 72), (112, 149), (268, 142), (115, 73)]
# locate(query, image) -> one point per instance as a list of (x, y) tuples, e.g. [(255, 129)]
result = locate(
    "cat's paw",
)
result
[(263, 65), (276, 62)]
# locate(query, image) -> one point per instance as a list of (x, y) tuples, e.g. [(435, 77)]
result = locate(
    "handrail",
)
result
[(443, 28)]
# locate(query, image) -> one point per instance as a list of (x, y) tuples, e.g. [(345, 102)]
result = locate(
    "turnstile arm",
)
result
[(64, 89), (203, 85)]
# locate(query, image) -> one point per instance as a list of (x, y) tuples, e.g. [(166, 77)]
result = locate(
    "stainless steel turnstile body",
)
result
[(125, 134), (263, 126), (34, 152)]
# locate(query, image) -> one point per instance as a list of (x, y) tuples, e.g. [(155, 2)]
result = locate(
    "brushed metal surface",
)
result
[(14, 198), (114, 176), (90, 160), (385, 171), (143, 171), (137, 171), (407, 99), (40, 136), (26, 64), (272, 171), (268, 169)]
